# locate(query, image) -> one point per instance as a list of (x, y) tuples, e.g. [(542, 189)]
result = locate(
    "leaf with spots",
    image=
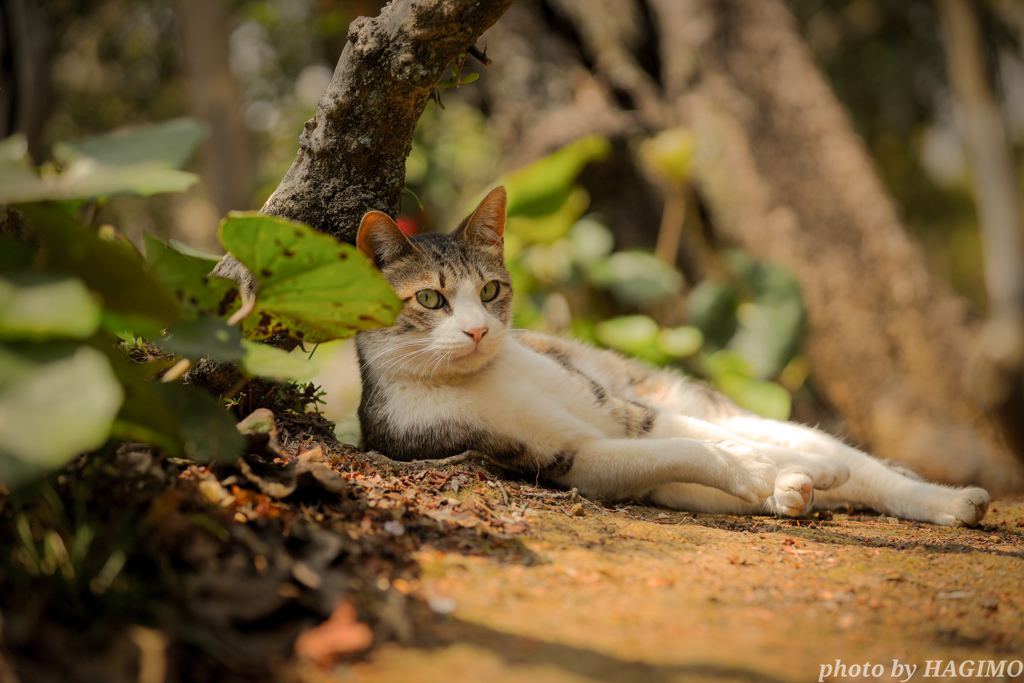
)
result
[(185, 277), (315, 287)]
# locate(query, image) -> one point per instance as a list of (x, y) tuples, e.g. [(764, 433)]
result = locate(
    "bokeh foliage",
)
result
[(87, 323)]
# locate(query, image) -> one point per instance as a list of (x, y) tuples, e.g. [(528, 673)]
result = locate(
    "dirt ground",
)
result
[(637, 593), (307, 561)]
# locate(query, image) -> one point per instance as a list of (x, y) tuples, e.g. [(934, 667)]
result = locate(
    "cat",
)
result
[(451, 375)]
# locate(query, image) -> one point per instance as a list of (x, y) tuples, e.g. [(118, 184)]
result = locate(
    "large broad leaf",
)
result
[(771, 326), (186, 278), (765, 398), (169, 143), (17, 178), (141, 161), (543, 186), (207, 428), (267, 361), (308, 283), (85, 178), (38, 307), (130, 296), (636, 335), (711, 306), (201, 337), (730, 372), (553, 226), (15, 255), (636, 278), (56, 401)]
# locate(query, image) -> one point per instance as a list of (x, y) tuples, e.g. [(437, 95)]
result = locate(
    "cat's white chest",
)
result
[(521, 394)]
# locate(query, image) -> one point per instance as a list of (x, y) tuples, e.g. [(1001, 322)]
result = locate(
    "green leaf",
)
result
[(146, 416), (129, 294), (765, 398), (207, 428), (15, 255), (636, 335), (680, 342), (542, 187), (711, 306), (553, 226), (169, 143), (205, 256), (591, 241), (636, 278), (308, 283), (204, 337), (56, 401), (39, 307), (669, 154), (85, 178), (17, 178), (730, 372), (469, 78), (263, 360), (771, 326), (142, 161), (184, 277)]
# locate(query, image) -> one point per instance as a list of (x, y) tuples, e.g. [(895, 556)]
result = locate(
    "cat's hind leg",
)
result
[(792, 497), (872, 483), (824, 471)]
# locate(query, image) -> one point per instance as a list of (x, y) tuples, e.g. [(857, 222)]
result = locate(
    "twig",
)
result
[(573, 495), (479, 56), (460, 459), (504, 493)]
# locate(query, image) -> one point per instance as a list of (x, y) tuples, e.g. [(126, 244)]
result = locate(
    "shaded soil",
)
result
[(320, 564)]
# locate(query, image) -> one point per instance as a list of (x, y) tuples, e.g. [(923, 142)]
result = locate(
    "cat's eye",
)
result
[(490, 291), (430, 298)]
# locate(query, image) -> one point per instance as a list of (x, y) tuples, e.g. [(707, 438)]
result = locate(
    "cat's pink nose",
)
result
[(477, 334)]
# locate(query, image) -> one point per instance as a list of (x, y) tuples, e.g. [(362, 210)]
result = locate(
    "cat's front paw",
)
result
[(750, 474), (794, 492), (966, 509)]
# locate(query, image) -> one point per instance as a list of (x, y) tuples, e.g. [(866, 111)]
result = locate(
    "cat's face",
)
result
[(455, 289)]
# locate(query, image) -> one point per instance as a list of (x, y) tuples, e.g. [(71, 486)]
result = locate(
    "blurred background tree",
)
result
[(769, 167)]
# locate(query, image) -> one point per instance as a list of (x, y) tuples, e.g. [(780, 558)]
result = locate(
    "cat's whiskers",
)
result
[(403, 359), (442, 355), (397, 353)]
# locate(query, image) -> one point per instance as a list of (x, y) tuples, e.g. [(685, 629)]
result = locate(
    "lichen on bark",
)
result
[(352, 153)]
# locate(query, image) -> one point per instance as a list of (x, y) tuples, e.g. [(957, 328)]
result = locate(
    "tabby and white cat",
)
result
[(451, 375)]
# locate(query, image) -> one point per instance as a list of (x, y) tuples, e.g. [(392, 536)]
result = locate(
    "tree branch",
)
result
[(352, 153)]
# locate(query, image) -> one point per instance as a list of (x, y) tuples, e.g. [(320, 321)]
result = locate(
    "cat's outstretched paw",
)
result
[(966, 509), (794, 492), (751, 475), (826, 471)]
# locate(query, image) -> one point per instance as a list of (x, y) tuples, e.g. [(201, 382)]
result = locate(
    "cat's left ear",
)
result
[(380, 238), (486, 225)]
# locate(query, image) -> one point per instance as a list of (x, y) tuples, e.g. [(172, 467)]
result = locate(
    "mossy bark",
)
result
[(352, 153)]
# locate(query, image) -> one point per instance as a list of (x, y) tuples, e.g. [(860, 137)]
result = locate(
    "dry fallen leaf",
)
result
[(342, 634)]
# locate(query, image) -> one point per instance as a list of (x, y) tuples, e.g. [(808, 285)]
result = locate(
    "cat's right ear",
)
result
[(381, 239)]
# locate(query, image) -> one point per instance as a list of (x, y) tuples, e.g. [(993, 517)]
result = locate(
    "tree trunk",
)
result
[(228, 155), (352, 154), (783, 175), (24, 73), (997, 362)]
